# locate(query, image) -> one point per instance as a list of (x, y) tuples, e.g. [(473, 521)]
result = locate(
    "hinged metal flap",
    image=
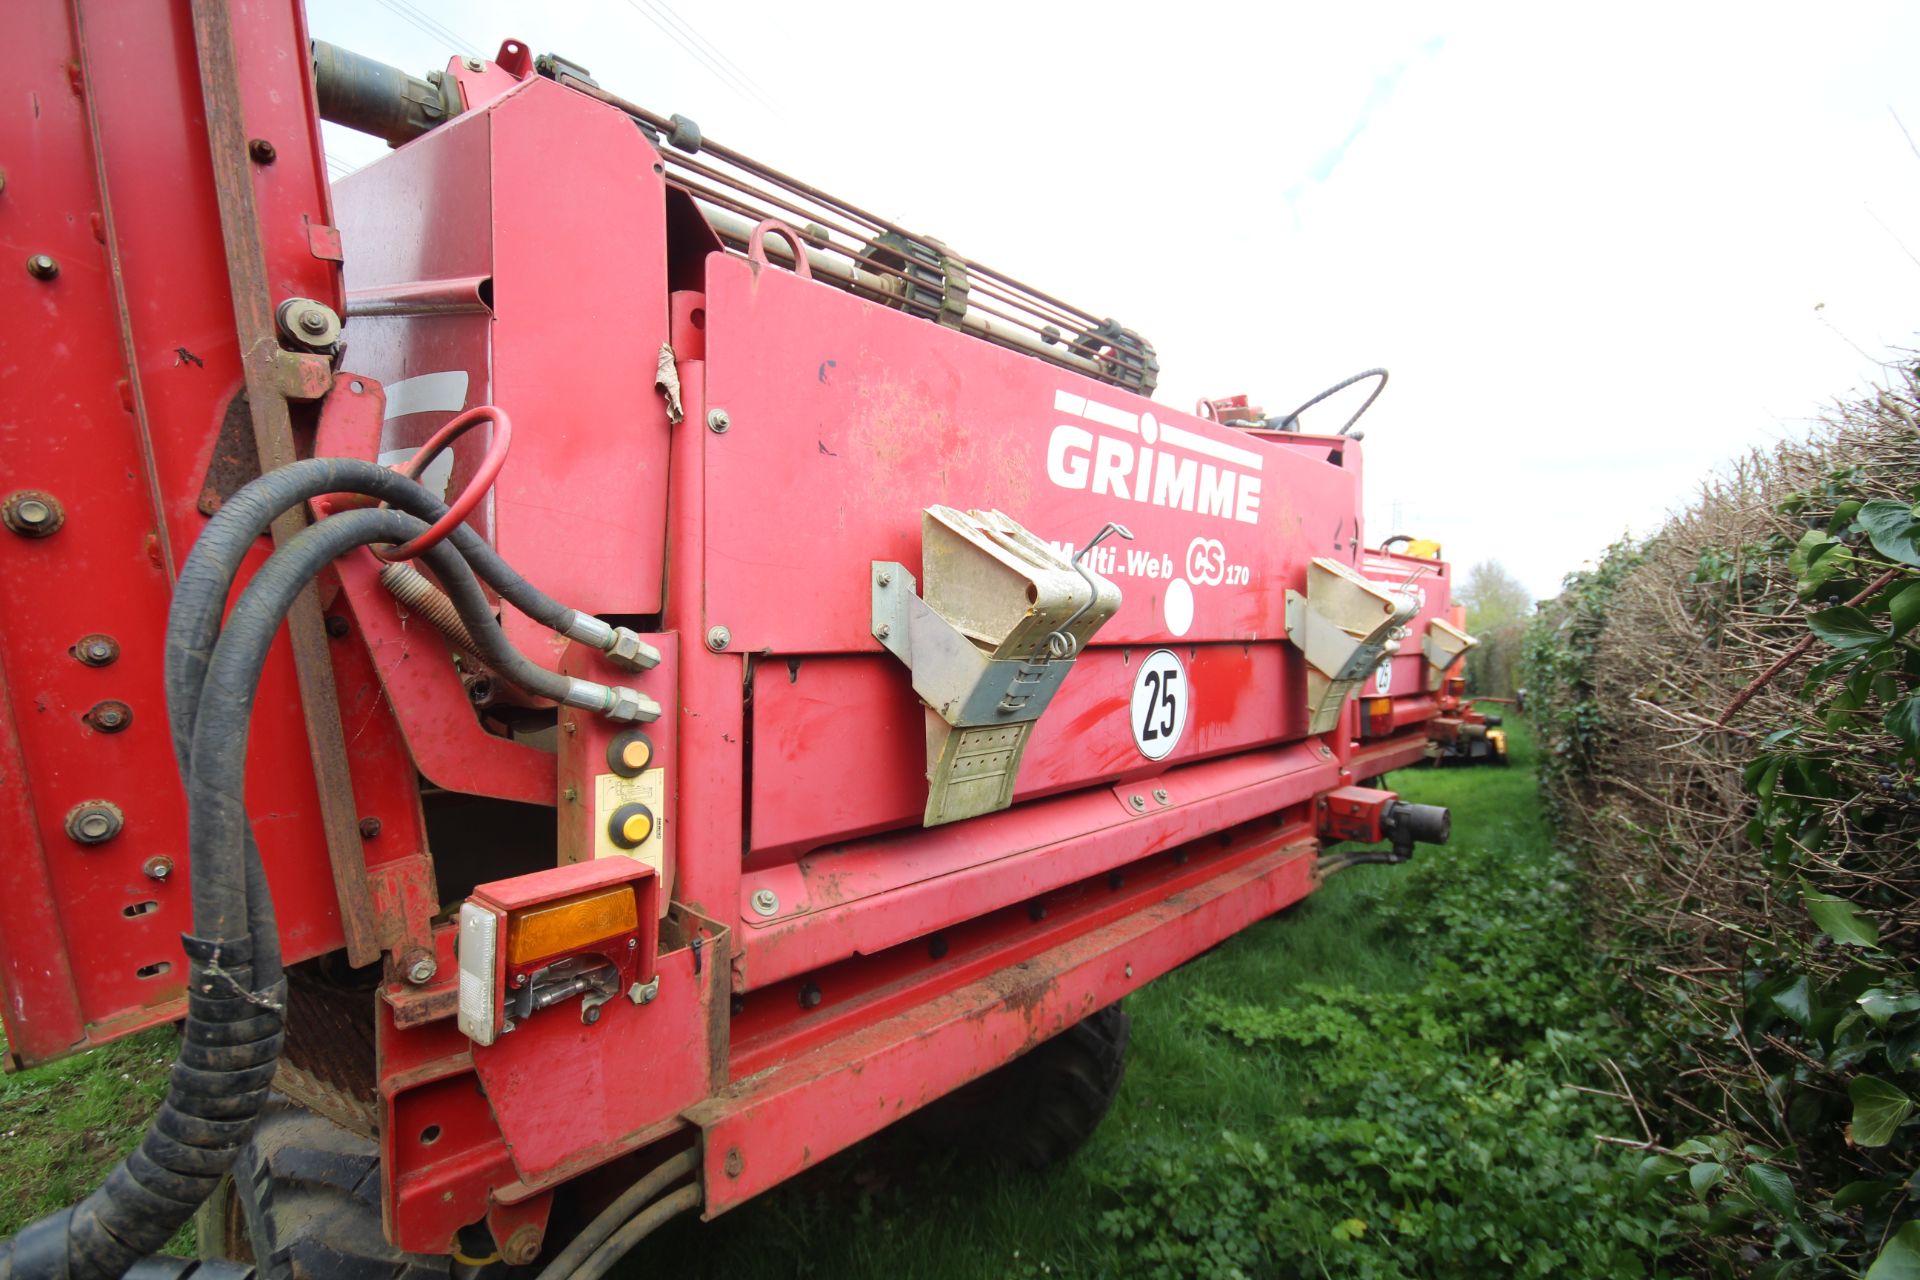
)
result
[(989, 644), (1442, 646), (1344, 625)]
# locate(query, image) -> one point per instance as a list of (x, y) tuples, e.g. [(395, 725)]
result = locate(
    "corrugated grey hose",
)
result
[(233, 1031)]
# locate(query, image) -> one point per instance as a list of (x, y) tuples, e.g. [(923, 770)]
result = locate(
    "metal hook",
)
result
[(1060, 644)]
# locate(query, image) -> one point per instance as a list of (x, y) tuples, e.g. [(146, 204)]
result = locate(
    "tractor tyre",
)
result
[(1038, 1109), (303, 1203)]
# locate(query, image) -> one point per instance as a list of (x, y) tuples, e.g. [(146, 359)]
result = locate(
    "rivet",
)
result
[(369, 828), (42, 267), (337, 626), (262, 151)]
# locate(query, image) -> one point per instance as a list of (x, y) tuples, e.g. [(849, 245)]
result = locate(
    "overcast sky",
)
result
[(1601, 248)]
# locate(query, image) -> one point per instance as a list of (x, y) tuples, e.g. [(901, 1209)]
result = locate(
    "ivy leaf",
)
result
[(1704, 1177), (1845, 627), (1773, 1189), (1840, 919), (1900, 1260), (1881, 1004), (1904, 608), (1903, 720), (1891, 528), (1794, 999), (1878, 1109)]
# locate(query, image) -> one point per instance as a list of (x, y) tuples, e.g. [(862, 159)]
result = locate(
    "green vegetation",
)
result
[(63, 1126), (1378, 1083), (1735, 710)]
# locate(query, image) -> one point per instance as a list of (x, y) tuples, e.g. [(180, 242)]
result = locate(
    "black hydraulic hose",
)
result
[(1291, 421), (206, 580), (233, 1031), (616, 1215), (637, 1228)]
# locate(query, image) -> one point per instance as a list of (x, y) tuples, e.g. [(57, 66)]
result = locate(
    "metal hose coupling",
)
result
[(620, 645), (615, 702)]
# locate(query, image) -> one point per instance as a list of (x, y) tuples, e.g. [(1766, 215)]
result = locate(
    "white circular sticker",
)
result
[(1159, 706), (1383, 677), (1178, 606)]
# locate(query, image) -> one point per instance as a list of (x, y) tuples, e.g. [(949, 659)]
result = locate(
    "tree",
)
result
[(1494, 598), (1498, 606)]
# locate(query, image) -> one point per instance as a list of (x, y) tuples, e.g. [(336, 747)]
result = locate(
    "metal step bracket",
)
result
[(1345, 625), (989, 644), (1442, 646)]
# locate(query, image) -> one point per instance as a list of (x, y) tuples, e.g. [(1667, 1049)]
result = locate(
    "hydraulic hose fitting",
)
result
[(615, 702), (622, 646)]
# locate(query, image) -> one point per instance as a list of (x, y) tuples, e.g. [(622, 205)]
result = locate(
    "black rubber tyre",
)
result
[(1039, 1108), (303, 1203)]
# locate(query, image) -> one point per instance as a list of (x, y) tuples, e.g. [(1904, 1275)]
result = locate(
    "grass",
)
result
[(1193, 1095), (1231, 1115), (63, 1126)]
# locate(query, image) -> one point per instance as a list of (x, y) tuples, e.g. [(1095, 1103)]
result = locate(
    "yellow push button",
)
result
[(630, 753), (630, 826)]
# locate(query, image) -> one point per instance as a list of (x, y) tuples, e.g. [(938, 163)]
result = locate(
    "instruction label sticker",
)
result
[(610, 791)]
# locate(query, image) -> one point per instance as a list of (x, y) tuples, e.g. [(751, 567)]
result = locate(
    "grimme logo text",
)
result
[(1153, 462)]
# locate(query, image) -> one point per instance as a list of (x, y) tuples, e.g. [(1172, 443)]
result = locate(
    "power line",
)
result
[(698, 55), (428, 25), (733, 68)]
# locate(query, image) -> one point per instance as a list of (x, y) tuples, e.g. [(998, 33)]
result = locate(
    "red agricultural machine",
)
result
[(590, 675)]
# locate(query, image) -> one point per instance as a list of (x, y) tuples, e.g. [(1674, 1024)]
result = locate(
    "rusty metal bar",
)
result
[(260, 353)]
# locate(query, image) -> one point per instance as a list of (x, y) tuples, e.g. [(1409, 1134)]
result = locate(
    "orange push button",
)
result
[(629, 753), (630, 826)]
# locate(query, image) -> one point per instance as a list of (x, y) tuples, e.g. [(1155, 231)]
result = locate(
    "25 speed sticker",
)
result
[(1158, 710)]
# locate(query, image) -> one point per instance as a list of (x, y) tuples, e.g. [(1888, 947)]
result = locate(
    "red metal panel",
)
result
[(575, 311), (869, 415), (878, 892), (765, 1129), (1244, 696)]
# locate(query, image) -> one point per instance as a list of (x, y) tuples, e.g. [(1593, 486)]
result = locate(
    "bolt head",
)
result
[(262, 151), (312, 322), (473, 64), (718, 421), (96, 651), (421, 971), (1137, 803), (369, 828), (522, 1247), (110, 716), (718, 638), (885, 579), (590, 1016), (884, 630), (765, 901), (157, 868), (42, 267), (1160, 794)]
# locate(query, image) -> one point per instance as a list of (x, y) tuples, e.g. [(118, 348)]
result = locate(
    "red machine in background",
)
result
[(747, 671)]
